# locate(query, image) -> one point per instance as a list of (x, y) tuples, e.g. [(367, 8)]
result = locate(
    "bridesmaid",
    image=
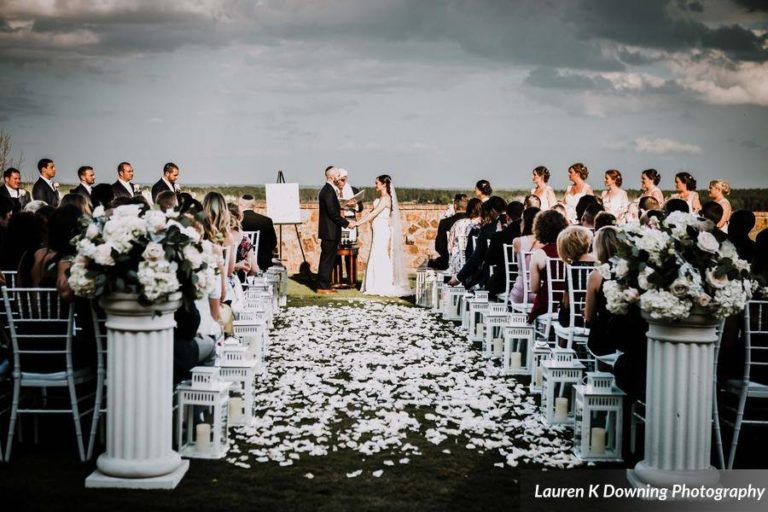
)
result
[(649, 179), (543, 190), (577, 174), (483, 190), (615, 199), (685, 189), (718, 192)]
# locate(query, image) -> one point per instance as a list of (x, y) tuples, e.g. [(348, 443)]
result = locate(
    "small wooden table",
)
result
[(345, 270)]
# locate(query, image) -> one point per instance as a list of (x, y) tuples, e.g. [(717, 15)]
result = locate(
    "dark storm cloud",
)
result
[(753, 5)]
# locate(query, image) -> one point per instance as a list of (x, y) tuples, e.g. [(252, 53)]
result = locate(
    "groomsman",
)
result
[(124, 187), (87, 178), (167, 182), (44, 188), (12, 188)]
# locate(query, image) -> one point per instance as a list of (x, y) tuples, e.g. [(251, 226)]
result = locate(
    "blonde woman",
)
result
[(718, 192)]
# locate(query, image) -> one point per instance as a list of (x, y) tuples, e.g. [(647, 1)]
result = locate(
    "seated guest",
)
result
[(496, 282), (760, 257), (189, 348), (78, 200), (573, 244), (523, 245), (483, 190), (603, 219), (712, 211), (458, 235), (102, 195), (26, 232), (676, 205), (584, 203), (546, 228), (719, 190), (253, 221), (472, 273), (590, 212), (647, 204), (742, 222), (245, 259), (167, 200), (532, 201), (443, 227), (561, 209)]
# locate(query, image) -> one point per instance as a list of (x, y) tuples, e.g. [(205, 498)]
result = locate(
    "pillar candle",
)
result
[(561, 409), (597, 445), (203, 437), (235, 408), (539, 376), (517, 360), (498, 347)]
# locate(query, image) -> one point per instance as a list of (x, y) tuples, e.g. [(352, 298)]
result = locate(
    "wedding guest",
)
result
[(459, 234), (718, 192), (77, 200), (483, 190), (577, 174), (87, 178), (532, 201), (647, 204), (649, 179), (253, 221), (560, 208), (676, 205), (542, 189), (742, 223), (443, 228), (685, 189), (494, 258), (546, 228), (473, 272), (167, 200), (584, 203), (168, 181), (25, 232), (45, 189), (712, 211), (245, 259), (760, 259), (589, 215), (522, 246), (13, 190), (102, 195), (124, 186), (615, 199), (603, 219), (215, 230), (573, 248)]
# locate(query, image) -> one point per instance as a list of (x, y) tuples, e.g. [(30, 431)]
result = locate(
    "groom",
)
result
[(330, 223)]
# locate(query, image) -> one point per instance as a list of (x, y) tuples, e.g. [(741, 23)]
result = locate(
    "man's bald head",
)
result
[(247, 202), (331, 173)]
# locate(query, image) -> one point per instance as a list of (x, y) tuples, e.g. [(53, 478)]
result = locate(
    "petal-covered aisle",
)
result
[(384, 381)]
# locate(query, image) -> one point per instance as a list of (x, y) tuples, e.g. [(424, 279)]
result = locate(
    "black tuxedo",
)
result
[(18, 202), (472, 271), (441, 240), (330, 222), (80, 189), (160, 187), (253, 221), (495, 256), (42, 191), (121, 191)]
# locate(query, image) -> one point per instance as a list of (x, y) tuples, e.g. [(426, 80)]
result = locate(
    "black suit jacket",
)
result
[(253, 221), (495, 256), (19, 202), (158, 188), (330, 220), (441, 240), (471, 272), (80, 189), (41, 191), (120, 190)]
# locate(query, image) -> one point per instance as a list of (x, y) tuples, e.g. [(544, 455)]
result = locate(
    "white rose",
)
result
[(127, 210), (191, 233), (680, 287), (642, 278), (153, 252), (714, 281), (92, 231), (621, 268), (194, 256), (604, 269), (155, 220), (98, 212), (103, 255), (707, 242), (86, 248)]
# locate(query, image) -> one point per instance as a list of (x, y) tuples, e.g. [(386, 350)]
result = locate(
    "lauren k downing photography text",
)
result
[(676, 492)]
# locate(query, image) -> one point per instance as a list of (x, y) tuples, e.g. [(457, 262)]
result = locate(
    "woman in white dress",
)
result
[(386, 273), (615, 200), (578, 188), (685, 189), (542, 190)]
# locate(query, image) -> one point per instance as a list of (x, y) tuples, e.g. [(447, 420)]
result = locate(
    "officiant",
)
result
[(350, 207)]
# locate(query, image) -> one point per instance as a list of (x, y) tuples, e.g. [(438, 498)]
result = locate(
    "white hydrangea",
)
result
[(678, 223), (604, 269), (120, 232), (127, 210), (193, 256), (86, 248), (155, 221), (728, 250), (614, 298), (707, 242), (92, 231), (191, 233), (621, 268), (654, 242), (158, 278), (732, 298), (79, 282), (642, 278), (153, 252), (103, 255), (98, 212), (206, 280), (662, 305)]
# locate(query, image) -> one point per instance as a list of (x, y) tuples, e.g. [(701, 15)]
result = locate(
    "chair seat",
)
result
[(754, 389), (520, 307), (565, 332), (55, 378)]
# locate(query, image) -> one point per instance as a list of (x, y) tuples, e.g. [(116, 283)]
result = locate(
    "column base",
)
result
[(98, 480), (644, 475)]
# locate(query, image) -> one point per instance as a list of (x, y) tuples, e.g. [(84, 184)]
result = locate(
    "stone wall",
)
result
[(419, 222)]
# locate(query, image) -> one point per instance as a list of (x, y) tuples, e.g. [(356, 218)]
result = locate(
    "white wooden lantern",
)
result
[(441, 280), (477, 309), (261, 301), (281, 273), (236, 366), (257, 284), (425, 279), (451, 302), (254, 335), (518, 349), (206, 393), (598, 429), (540, 353), (274, 280), (493, 322), (562, 373), (469, 298)]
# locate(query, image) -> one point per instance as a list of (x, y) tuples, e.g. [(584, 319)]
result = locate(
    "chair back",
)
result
[(254, 237), (41, 326), (756, 342), (577, 277), (556, 282), (10, 278), (510, 269)]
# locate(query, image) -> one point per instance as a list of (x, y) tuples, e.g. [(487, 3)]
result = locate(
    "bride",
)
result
[(386, 273)]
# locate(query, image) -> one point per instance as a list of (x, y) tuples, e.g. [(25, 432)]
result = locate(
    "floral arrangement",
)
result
[(671, 267), (154, 254)]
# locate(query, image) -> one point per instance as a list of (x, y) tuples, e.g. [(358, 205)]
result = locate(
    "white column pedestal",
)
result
[(678, 410), (140, 398)]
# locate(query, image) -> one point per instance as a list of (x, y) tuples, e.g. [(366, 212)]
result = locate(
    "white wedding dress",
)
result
[(386, 273)]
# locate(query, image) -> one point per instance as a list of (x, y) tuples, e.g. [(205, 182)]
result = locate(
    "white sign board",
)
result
[(283, 203)]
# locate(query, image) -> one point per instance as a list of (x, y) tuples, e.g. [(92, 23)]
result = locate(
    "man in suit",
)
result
[(124, 187), (330, 222), (253, 221), (496, 283), (45, 189), (87, 178), (167, 182), (12, 188), (443, 227)]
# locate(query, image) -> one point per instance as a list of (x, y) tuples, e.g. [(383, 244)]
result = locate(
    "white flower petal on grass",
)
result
[(309, 476), (378, 473), (355, 474)]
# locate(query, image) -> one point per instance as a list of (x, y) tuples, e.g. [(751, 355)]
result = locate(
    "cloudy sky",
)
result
[(435, 92)]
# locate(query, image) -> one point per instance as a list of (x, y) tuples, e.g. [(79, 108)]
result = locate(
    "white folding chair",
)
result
[(753, 386), (524, 268), (100, 402), (510, 270), (576, 277), (555, 270), (42, 329), (254, 237)]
